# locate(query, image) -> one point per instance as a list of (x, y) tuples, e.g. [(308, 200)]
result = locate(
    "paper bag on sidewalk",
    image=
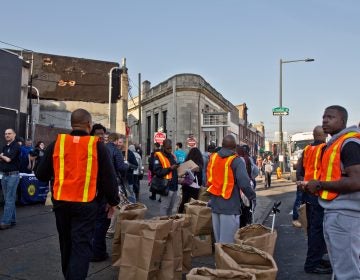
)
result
[(189, 164), (143, 248), (302, 216), (187, 240), (245, 258), (202, 245), (258, 236), (205, 273), (171, 264), (200, 213), (135, 211), (203, 194)]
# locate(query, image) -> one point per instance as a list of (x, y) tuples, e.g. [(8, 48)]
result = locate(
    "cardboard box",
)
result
[(185, 166)]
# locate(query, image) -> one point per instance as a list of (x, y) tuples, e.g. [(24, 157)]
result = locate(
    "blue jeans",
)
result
[(9, 185), (297, 203)]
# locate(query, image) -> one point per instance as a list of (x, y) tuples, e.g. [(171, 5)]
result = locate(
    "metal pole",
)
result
[(175, 112), (280, 117), (139, 121)]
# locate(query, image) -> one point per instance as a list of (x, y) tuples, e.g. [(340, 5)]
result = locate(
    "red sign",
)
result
[(159, 137), (191, 142)]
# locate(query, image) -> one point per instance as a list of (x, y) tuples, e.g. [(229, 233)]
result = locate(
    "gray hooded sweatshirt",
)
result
[(232, 206), (349, 203)]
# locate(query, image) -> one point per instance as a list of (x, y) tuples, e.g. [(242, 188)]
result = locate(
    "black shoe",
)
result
[(4, 226), (152, 197), (320, 270), (159, 199), (99, 259), (325, 263)]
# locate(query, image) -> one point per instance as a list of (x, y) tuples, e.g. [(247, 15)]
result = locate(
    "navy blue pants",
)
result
[(75, 223), (99, 239), (316, 242)]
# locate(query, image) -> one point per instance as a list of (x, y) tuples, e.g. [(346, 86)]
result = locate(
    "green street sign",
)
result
[(280, 111)]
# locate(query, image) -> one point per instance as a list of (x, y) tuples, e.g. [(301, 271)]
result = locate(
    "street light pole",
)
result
[(110, 88), (281, 137)]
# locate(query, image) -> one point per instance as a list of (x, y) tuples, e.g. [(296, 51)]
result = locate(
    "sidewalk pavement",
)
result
[(30, 250)]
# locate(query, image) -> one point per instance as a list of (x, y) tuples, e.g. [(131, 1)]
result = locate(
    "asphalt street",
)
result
[(30, 250)]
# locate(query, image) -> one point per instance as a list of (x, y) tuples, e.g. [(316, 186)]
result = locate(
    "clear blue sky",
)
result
[(235, 45)]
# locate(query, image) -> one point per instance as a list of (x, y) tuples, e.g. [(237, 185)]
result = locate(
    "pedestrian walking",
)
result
[(308, 168), (151, 170), (190, 189), (165, 166), (83, 174), (268, 168), (9, 167), (227, 175), (339, 193)]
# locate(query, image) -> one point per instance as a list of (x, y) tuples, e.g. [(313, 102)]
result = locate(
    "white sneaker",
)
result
[(296, 223)]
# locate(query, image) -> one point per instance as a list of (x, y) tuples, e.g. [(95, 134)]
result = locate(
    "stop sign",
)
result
[(191, 142), (159, 137)]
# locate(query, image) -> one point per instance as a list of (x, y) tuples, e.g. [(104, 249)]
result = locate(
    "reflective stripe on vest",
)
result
[(312, 161), (331, 164), (75, 166), (220, 176), (165, 163)]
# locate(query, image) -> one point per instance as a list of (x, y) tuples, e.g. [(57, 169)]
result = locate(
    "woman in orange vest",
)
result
[(165, 166), (226, 175), (83, 173), (339, 193)]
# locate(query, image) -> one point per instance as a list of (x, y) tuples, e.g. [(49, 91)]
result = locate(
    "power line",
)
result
[(9, 44)]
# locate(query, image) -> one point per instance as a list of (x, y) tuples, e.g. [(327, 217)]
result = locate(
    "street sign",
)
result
[(280, 111), (159, 137), (191, 142)]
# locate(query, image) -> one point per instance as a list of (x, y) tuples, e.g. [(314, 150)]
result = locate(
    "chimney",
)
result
[(146, 85)]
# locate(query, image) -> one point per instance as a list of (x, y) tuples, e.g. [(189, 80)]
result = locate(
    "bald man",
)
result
[(227, 175), (9, 167), (83, 174), (308, 169)]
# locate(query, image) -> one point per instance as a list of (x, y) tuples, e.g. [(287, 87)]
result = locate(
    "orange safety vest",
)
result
[(165, 163), (220, 175), (75, 161), (312, 161), (331, 164)]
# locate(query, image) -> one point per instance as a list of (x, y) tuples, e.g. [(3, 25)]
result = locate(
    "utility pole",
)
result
[(139, 106)]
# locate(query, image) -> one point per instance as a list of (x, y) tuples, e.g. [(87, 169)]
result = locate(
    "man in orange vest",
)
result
[(226, 175), (308, 168), (83, 174), (165, 166), (339, 193)]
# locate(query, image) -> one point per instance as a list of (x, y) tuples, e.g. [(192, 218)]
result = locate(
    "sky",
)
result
[(235, 45)]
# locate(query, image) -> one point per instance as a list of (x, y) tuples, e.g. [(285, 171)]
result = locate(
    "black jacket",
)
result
[(161, 172)]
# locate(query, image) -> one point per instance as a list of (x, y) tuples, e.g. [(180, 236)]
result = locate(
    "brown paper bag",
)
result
[(202, 245), (143, 248), (187, 240), (171, 265), (302, 216), (203, 194), (258, 236), (245, 258), (189, 164), (135, 211), (205, 273), (201, 222)]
